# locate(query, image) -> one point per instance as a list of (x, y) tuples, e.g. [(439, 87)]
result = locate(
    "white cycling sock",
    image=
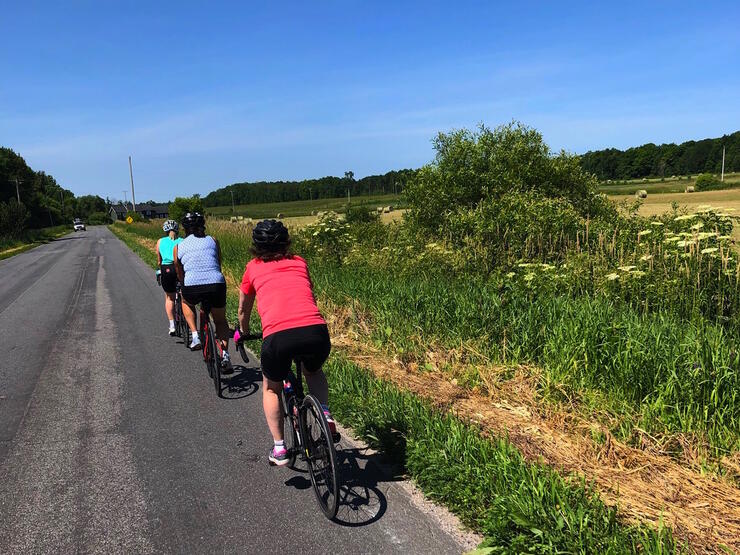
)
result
[(172, 323)]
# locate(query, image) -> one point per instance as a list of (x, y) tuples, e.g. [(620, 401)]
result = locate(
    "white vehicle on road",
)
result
[(78, 225)]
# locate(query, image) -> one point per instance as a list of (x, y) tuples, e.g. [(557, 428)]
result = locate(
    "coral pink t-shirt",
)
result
[(284, 295)]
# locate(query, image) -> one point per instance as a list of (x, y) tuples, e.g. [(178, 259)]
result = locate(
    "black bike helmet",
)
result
[(193, 220), (270, 235)]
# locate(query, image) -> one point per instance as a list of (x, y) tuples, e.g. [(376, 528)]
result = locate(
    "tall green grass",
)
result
[(674, 375)]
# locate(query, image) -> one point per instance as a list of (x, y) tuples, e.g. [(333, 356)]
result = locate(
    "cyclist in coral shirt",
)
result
[(292, 327)]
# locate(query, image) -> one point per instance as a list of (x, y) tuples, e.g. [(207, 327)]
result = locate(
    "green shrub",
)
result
[(328, 237), (360, 215), (483, 165), (707, 182), (99, 218), (182, 205)]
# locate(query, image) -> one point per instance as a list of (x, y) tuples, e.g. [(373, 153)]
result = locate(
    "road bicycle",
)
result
[(181, 326), (308, 437), (212, 350)]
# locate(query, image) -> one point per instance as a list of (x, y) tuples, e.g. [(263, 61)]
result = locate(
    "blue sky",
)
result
[(210, 93)]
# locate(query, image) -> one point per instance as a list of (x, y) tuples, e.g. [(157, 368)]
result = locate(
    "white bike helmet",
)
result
[(170, 225)]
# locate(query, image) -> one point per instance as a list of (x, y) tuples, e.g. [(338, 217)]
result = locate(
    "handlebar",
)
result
[(238, 337)]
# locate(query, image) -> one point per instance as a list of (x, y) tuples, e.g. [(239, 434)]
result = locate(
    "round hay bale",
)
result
[(280, 216), (379, 209), (644, 179), (249, 221), (690, 189), (321, 214), (313, 212), (240, 218), (642, 193), (233, 219), (386, 209)]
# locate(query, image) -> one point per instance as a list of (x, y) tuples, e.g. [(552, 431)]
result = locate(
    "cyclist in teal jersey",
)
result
[(165, 247)]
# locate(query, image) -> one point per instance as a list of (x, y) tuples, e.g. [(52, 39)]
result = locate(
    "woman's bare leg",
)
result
[(169, 305), (222, 327), (189, 313), (271, 405)]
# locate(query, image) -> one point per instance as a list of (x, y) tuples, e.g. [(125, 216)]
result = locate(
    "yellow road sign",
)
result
[(129, 220)]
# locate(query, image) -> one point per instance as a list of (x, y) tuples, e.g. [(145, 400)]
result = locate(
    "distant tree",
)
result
[(649, 160), (349, 176), (182, 205)]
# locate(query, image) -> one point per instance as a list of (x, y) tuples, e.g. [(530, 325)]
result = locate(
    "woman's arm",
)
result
[(178, 266), (159, 256), (246, 302)]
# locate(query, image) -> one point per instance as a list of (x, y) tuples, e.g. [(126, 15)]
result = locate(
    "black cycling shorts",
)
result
[(308, 344), (168, 277), (214, 294)]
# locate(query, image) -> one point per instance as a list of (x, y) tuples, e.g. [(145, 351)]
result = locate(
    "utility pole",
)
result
[(723, 164), (310, 194), (61, 196), (17, 191), (232, 200), (131, 173)]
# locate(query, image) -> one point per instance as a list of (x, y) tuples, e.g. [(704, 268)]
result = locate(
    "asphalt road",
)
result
[(112, 438)]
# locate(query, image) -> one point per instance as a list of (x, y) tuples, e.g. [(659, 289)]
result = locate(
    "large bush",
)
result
[(472, 167)]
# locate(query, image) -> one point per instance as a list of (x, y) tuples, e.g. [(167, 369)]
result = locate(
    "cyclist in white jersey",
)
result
[(198, 263), (165, 247)]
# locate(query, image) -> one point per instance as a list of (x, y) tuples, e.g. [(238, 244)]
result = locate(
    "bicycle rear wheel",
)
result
[(215, 360), (290, 434), (320, 455)]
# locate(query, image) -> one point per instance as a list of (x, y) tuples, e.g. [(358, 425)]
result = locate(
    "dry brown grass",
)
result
[(647, 486)]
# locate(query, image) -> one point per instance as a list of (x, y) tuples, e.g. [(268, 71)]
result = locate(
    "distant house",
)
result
[(152, 211), (149, 211)]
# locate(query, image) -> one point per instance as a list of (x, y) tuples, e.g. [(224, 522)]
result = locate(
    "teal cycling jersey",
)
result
[(166, 246)]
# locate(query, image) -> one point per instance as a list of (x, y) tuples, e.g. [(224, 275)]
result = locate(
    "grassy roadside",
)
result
[(32, 238), (519, 506)]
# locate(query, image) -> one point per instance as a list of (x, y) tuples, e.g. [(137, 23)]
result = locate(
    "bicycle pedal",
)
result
[(336, 437)]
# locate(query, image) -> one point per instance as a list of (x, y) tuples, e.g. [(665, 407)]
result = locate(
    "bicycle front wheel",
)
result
[(320, 455)]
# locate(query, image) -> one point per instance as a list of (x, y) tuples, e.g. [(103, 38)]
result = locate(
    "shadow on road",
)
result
[(242, 383), (72, 238), (360, 500)]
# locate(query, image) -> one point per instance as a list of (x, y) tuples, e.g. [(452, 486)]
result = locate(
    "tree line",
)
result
[(326, 187), (33, 199), (666, 160)]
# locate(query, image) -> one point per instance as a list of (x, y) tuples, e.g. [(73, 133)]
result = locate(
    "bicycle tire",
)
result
[(215, 360), (289, 432), (324, 472)]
